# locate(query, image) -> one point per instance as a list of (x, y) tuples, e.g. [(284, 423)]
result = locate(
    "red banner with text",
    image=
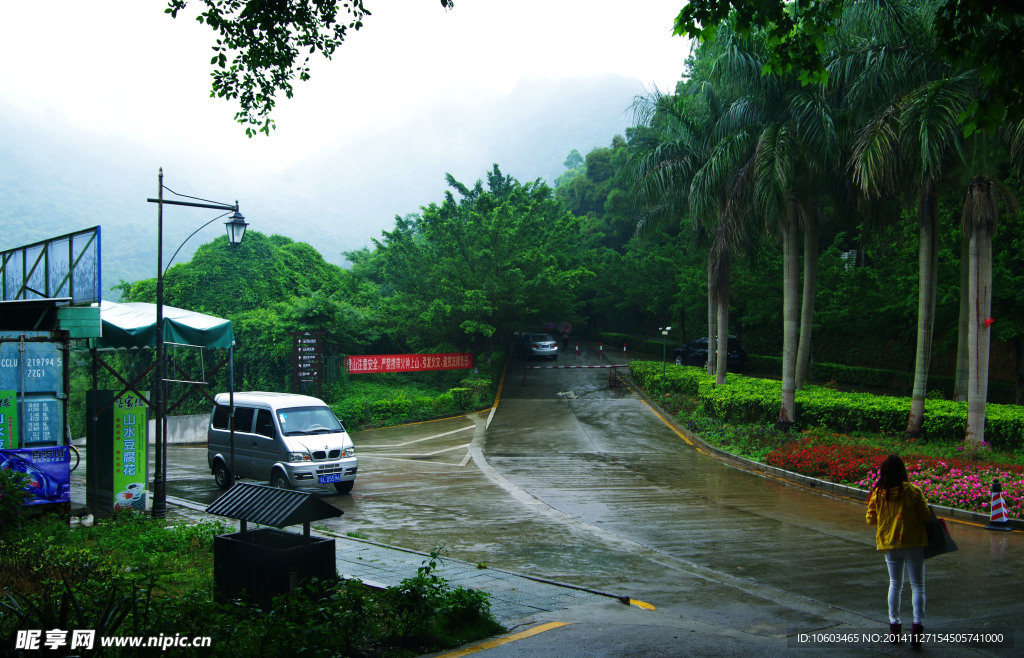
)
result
[(358, 365)]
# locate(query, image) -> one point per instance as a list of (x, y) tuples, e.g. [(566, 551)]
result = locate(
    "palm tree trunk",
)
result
[(962, 368), (927, 264), (790, 291), (722, 345), (712, 313), (803, 355), (979, 330)]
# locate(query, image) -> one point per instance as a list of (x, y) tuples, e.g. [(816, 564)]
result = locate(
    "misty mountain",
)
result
[(55, 179)]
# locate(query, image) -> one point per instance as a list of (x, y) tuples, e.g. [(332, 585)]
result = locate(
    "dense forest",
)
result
[(846, 223)]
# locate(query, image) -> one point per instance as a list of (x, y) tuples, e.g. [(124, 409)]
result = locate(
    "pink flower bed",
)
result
[(961, 483)]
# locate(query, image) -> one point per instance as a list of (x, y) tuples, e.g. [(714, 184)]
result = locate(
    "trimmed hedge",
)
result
[(366, 410), (748, 400), (897, 381)]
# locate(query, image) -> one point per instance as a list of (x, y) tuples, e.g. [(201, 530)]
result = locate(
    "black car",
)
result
[(696, 354)]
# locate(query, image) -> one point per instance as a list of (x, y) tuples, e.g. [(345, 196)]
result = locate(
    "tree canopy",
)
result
[(479, 265), (264, 45), (972, 34)]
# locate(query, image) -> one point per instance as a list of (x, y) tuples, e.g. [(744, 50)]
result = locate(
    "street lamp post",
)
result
[(236, 226), (664, 348)]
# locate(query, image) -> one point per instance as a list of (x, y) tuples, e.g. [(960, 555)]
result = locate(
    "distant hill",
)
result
[(54, 179)]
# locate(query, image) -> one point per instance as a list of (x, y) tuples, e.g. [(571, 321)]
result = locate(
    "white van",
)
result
[(284, 439)]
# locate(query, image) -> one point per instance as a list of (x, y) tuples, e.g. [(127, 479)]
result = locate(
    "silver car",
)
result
[(539, 345)]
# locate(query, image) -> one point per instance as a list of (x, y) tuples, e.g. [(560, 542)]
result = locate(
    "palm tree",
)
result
[(915, 135), (980, 220), (911, 139), (790, 140), (686, 174)]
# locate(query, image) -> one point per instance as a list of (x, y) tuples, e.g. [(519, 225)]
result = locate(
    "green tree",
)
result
[(984, 199), (910, 140), (269, 286), (469, 271), (786, 141), (972, 34), (686, 169), (262, 47)]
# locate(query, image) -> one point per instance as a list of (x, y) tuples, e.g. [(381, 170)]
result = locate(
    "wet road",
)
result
[(579, 482)]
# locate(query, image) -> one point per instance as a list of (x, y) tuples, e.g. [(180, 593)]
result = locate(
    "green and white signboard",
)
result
[(129, 489), (8, 420)]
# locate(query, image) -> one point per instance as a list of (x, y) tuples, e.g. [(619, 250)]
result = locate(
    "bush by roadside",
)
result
[(371, 404)]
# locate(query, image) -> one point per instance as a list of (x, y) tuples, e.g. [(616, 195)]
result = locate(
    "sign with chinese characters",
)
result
[(32, 375), (409, 362), (307, 359), (48, 472), (129, 452), (8, 419)]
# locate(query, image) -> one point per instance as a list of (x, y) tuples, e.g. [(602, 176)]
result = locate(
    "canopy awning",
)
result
[(133, 326)]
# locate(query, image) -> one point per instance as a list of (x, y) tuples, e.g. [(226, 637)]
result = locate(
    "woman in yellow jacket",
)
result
[(899, 510)]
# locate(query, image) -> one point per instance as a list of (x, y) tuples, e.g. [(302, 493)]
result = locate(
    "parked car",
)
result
[(531, 345), (284, 439), (695, 353)]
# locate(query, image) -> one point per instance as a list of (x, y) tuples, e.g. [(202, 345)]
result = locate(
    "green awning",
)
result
[(133, 326)]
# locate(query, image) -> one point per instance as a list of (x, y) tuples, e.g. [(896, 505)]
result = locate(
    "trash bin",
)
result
[(260, 564)]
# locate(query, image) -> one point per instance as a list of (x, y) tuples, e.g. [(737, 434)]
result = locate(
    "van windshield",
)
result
[(308, 420)]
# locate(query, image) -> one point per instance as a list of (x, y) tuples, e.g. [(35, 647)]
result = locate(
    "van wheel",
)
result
[(344, 487), (222, 476), (279, 481)]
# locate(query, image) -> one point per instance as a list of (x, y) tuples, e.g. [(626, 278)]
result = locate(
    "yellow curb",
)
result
[(504, 640), (642, 605)]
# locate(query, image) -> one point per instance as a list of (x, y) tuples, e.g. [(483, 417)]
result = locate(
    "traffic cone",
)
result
[(999, 519)]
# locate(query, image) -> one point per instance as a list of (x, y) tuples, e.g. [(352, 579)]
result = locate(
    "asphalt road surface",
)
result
[(580, 482)]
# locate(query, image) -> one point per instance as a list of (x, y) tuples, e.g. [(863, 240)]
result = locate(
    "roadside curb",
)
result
[(818, 485)]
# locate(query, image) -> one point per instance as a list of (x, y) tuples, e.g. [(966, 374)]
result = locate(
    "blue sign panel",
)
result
[(32, 369), (48, 472)]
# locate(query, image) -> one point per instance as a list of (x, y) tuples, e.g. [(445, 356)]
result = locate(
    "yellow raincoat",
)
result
[(900, 517)]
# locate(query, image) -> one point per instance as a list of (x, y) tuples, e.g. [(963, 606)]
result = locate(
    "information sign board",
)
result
[(307, 359), (32, 386), (130, 425), (8, 419)]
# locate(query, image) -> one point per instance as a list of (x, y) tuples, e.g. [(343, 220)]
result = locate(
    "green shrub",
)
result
[(13, 497), (462, 398), (444, 404)]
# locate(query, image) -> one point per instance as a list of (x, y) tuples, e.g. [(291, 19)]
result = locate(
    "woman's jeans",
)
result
[(913, 559)]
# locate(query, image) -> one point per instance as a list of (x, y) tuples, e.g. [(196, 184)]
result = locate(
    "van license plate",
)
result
[(333, 477)]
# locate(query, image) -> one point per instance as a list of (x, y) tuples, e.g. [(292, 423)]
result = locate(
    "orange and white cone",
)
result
[(999, 519)]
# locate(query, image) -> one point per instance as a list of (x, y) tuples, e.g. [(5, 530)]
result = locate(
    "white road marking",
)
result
[(426, 438), (422, 454)]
